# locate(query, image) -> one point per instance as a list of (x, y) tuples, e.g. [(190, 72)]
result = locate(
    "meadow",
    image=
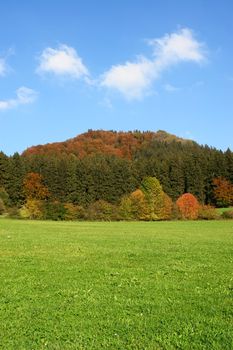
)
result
[(124, 285)]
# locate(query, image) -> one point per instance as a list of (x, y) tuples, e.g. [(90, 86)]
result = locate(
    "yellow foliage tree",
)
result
[(32, 209)]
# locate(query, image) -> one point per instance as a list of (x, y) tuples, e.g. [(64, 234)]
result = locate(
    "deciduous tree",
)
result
[(34, 187), (188, 206), (154, 196), (223, 192)]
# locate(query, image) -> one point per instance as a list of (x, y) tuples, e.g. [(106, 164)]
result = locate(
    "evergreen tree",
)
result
[(4, 170), (177, 178), (16, 176), (229, 165)]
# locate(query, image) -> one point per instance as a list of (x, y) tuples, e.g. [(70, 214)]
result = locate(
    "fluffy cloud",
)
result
[(24, 96), (63, 61), (131, 79), (134, 79), (2, 67), (177, 47)]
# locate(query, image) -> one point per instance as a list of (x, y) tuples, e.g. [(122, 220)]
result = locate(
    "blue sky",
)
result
[(69, 66)]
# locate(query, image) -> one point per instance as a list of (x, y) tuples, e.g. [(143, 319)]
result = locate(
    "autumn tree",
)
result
[(102, 211), (223, 192), (154, 196), (167, 208), (32, 209), (34, 187), (74, 212), (139, 205), (188, 206)]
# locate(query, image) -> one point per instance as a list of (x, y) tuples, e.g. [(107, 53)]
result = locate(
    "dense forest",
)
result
[(107, 166)]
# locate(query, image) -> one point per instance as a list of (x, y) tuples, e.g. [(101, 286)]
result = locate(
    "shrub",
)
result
[(13, 213), (54, 211), (74, 212), (125, 209), (228, 214), (188, 206), (102, 211), (32, 209), (207, 212)]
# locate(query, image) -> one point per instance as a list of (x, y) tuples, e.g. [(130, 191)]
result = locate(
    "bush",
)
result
[(32, 209), (228, 214), (125, 209), (188, 206), (207, 212), (54, 211), (13, 213), (102, 211), (74, 212)]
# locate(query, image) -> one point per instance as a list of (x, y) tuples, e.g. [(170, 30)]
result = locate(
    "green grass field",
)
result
[(161, 285)]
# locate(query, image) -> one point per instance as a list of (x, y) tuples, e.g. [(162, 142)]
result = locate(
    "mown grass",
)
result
[(162, 285)]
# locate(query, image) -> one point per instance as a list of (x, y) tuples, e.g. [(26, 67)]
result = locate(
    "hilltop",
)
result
[(121, 144)]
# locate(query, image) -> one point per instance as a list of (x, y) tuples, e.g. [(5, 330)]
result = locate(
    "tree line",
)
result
[(179, 167)]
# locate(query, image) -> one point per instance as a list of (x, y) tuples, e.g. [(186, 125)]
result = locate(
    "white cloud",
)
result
[(63, 61), (3, 67), (177, 47), (131, 79), (24, 96), (134, 79)]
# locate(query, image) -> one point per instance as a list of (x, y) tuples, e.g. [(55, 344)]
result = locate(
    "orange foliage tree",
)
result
[(34, 187), (223, 192), (166, 212), (188, 206)]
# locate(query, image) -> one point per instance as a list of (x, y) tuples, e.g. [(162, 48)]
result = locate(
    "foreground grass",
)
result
[(165, 285)]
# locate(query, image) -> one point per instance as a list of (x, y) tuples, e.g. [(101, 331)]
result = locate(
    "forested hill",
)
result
[(107, 165), (120, 144)]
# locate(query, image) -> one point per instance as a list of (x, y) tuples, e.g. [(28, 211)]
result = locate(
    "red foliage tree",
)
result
[(223, 192), (120, 144), (34, 187), (188, 206)]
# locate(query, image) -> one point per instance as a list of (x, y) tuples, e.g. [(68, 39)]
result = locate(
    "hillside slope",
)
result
[(121, 144)]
